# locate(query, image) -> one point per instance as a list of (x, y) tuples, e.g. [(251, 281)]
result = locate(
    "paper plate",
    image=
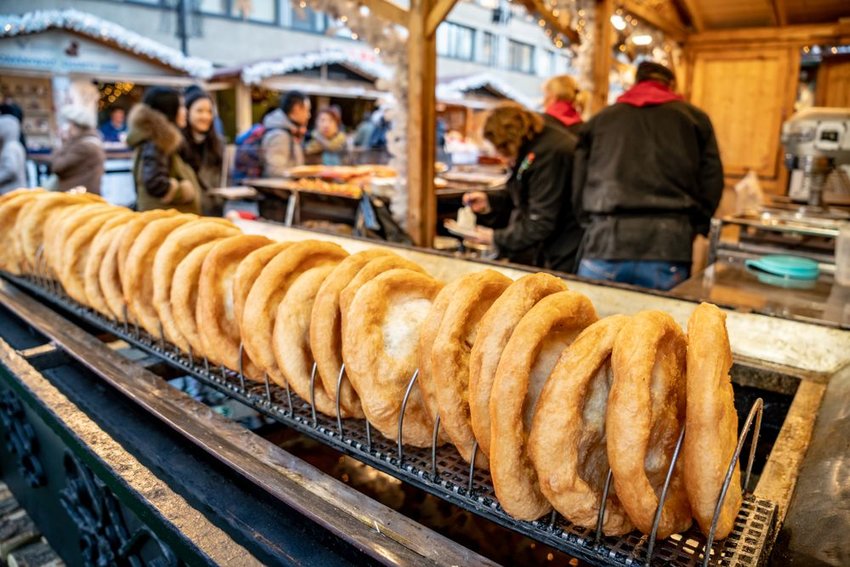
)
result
[(452, 226)]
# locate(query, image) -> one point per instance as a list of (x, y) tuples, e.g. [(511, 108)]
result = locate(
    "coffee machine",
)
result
[(816, 141)]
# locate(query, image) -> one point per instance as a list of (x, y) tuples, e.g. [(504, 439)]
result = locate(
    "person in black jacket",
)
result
[(647, 180), (533, 216)]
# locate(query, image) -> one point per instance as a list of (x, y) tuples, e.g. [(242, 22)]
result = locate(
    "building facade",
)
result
[(484, 37)]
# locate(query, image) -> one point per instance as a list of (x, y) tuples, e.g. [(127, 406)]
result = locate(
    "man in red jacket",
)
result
[(647, 180)]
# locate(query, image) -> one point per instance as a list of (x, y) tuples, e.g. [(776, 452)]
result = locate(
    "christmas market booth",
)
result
[(178, 389)]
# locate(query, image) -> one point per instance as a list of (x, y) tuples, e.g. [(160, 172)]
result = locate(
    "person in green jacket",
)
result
[(163, 179)]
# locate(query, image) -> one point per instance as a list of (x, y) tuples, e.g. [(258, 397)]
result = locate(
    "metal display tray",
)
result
[(441, 471)]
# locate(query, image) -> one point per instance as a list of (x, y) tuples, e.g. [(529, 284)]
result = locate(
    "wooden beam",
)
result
[(672, 29), (438, 13), (387, 10), (540, 9), (421, 124), (602, 58), (693, 12), (780, 14), (799, 35)]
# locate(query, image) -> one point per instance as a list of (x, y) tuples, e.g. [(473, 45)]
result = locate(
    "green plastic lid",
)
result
[(786, 266)]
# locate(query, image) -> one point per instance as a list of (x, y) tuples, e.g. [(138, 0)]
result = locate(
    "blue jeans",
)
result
[(644, 273)]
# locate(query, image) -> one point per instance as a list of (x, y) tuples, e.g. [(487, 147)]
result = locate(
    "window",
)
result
[(218, 7), (520, 57), (304, 19), (260, 11), (455, 41), (545, 63), (489, 49)]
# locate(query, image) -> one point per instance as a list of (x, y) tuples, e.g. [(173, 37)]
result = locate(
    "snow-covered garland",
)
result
[(254, 74), (581, 16), (97, 28), (456, 88)]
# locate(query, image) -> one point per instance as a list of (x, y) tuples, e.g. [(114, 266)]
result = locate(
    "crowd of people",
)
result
[(620, 197)]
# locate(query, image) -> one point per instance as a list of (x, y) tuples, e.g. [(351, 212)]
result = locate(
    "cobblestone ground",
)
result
[(21, 544)]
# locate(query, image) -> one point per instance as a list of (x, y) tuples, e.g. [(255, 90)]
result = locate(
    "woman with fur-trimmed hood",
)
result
[(163, 179)]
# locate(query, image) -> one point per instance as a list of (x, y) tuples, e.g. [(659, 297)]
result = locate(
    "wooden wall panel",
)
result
[(747, 94), (834, 82)]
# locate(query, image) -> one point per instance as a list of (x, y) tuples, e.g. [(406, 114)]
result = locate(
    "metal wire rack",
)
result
[(443, 472)]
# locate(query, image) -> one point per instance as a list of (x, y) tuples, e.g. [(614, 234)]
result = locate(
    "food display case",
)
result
[(96, 436)]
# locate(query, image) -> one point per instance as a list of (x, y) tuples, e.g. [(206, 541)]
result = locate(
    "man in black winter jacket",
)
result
[(532, 219), (647, 180)]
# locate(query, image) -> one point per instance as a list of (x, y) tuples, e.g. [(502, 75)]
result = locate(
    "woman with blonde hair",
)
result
[(561, 99), (532, 218)]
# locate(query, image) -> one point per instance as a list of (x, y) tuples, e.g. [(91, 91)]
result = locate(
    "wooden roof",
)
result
[(724, 14), (676, 16)]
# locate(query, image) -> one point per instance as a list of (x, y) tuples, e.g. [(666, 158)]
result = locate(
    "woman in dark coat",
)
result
[(163, 179), (532, 219), (203, 149)]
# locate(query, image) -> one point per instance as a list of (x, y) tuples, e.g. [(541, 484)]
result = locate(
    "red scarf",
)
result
[(565, 112), (649, 93)]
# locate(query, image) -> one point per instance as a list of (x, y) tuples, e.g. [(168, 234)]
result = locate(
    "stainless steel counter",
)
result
[(731, 284)]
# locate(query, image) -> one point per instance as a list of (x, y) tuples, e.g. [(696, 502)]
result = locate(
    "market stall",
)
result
[(350, 79), (50, 58)]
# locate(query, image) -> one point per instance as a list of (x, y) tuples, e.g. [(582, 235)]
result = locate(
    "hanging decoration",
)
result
[(89, 25), (578, 15)]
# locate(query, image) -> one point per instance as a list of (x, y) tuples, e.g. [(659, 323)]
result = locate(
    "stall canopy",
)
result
[(338, 73), (71, 42), (479, 91)]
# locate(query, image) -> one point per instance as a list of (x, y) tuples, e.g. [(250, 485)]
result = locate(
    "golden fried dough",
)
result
[(30, 223), (75, 251), (137, 281), (218, 327), (379, 338), (427, 335), (174, 248), (646, 410), (495, 330), (527, 361), (111, 267), (326, 329), (371, 270), (134, 228), (10, 208), (14, 194), (291, 339), (248, 271), (66, 222), (98, 252), (711, 432), (260, 310), (184, 296), (473, 296), (567, 443)]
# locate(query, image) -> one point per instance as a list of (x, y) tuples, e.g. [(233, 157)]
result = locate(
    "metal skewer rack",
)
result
[(442, 472)]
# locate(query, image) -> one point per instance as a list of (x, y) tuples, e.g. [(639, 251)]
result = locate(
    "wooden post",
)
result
[(604, 34), (243, 107), (421, 124)]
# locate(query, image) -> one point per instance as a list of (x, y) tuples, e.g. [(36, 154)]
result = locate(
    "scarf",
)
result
[(565, 112), (649, 93)]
